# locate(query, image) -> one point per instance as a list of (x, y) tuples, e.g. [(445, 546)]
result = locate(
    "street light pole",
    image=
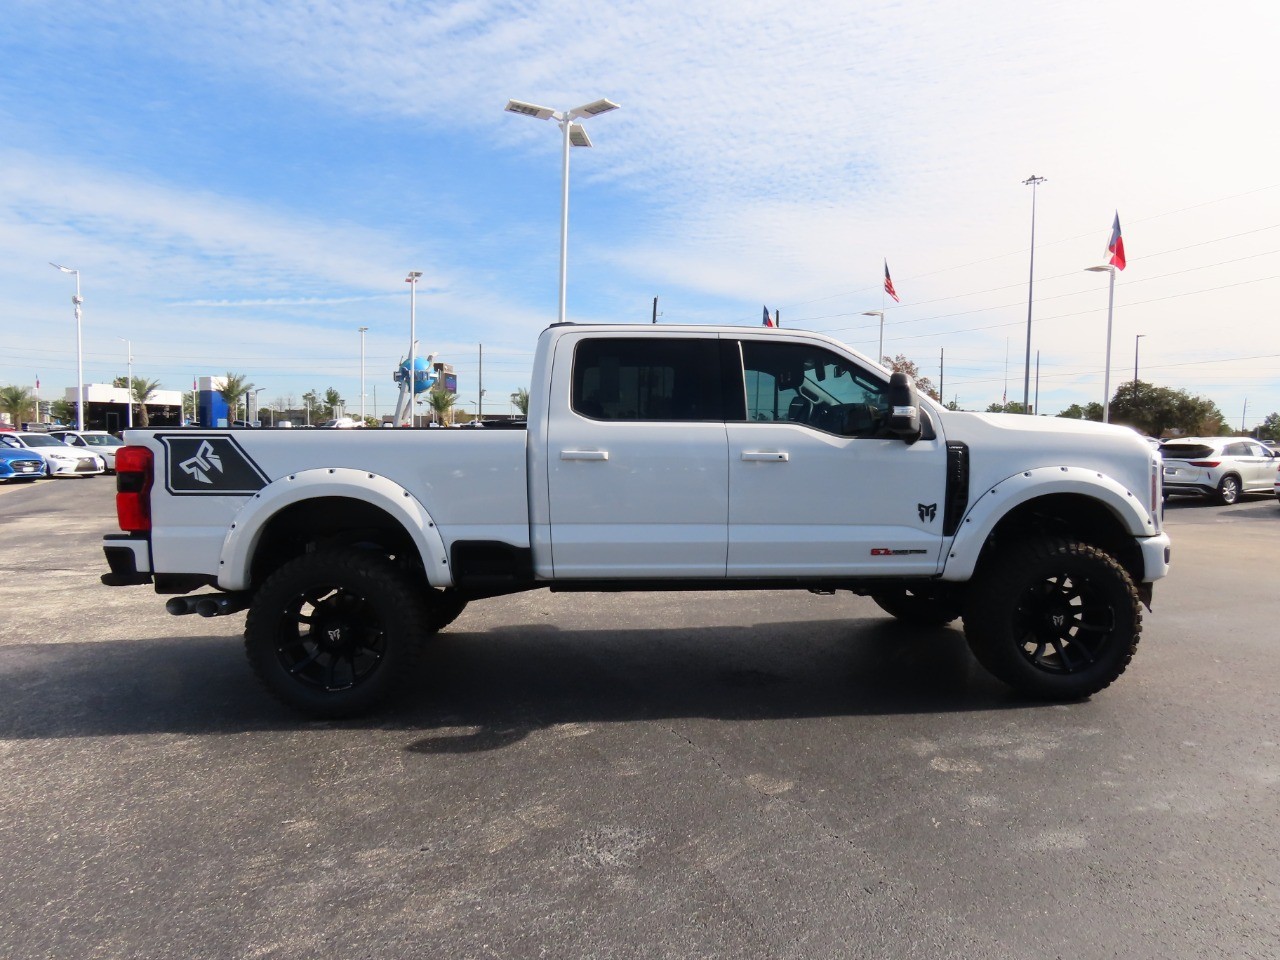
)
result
[(1026, 374), (879, 349), (412, 279), (128, 380), (1106, 376), (363, 331), (574, 135), (77, 300), (1135, 358)]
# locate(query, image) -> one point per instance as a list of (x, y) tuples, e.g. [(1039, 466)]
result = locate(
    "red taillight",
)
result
[(1204, 463), (134, 468)]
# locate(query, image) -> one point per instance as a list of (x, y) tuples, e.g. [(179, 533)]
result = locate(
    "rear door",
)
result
[(637, 458)]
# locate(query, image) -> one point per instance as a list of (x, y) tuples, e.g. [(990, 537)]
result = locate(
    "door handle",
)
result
[(763, 456), (584, 454)]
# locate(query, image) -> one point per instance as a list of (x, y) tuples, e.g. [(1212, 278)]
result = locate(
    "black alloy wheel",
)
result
[(1055, 619), (331, 633)]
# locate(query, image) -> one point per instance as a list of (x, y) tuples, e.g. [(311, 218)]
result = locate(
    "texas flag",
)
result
[(888, 284), (768, 320), (1116, 246)]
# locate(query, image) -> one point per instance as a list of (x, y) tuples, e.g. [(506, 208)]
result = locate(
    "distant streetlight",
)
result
[(1135, 358), (251, 415), (1106, 377), (879, 349), (1034, 181), (128, 380), (574, 135), (363, 331), (77, 300), (412, 280)]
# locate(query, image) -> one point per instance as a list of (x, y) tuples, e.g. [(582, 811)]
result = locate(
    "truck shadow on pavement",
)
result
[(501, 684)]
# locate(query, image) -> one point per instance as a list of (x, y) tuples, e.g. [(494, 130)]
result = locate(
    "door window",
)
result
[(800, 383), (615, 378)]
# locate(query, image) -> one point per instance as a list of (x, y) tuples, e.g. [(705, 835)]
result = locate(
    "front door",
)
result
[(816, 488)]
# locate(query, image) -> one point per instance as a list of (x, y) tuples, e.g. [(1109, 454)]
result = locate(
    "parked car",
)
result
[(19, 464), (100, 442), (1224, 468), (60, 459)]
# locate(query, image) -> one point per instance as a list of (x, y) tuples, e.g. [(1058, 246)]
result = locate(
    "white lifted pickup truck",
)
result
[(656, 458)]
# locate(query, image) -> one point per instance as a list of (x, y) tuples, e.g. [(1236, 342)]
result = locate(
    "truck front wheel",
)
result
[(331, 633), (1055, 619)]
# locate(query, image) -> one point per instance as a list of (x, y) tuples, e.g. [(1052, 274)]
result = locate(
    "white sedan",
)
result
[(62, 460), (100, 442)]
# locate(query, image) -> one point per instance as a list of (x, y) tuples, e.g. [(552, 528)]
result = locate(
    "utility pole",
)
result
[(777, 317), (655, 309), (1037, 405), (1034, 181), (480, 386), (942, 371)]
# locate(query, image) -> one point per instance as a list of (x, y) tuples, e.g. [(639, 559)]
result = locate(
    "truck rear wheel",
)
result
[(1055, 619), (331, 633)]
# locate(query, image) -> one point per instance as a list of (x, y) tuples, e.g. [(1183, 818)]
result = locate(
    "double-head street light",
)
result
[(1106, 376), (77, 300), (575, 135)]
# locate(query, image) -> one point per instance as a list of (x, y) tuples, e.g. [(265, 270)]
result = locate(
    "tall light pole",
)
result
[(1135, 358), (251, 416), (1106, 376), (128, 380), (880, 349), (363, 331), (412, 280), (1026, 375), (574, 135), (77, 300)]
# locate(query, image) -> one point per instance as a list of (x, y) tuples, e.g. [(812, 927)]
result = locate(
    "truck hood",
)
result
[(1001, 444)]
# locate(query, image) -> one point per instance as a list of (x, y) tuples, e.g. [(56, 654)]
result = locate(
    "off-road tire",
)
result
[(1053, 618), (924, 606), (333, 633)]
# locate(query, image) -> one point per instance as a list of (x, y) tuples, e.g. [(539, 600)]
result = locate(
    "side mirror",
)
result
[(904, 408)]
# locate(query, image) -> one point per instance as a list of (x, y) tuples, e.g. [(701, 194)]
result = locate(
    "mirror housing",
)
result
[(904, 408)]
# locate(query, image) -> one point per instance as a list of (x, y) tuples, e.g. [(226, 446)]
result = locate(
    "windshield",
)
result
[(101, 440)]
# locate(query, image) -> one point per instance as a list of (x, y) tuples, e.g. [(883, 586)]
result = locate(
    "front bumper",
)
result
[(82, 467), (1155, 557)]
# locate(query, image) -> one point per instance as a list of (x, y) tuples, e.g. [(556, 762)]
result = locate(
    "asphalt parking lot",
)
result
[(636, 776)]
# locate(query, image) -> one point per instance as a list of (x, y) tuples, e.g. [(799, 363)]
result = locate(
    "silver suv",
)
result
[(1221, 467)]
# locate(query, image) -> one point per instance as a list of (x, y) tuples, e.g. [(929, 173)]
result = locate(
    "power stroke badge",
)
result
[(209, 464)]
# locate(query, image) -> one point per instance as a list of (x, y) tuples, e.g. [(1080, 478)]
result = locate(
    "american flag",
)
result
[(888, 284)]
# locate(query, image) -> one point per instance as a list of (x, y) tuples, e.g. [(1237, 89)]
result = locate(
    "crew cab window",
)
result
[(616, 378), (806, 384)]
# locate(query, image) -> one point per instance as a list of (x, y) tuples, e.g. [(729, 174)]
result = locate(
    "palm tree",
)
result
[(16, 401), (521, 399), (441, 403), (234, 387), (142, 392)]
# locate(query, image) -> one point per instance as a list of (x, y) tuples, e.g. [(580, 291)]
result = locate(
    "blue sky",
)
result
[(243, 185)]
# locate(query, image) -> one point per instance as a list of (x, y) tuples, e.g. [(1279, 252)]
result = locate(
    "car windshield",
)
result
[(39, 441), (102, 440)]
